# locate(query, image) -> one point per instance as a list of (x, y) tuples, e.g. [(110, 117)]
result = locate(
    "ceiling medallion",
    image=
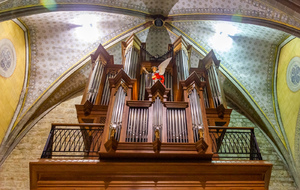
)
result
[(293, 74), (7, 58)]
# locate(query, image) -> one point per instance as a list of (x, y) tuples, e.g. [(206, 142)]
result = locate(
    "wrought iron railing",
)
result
[(84, 140), (234, 142), (73, 140)]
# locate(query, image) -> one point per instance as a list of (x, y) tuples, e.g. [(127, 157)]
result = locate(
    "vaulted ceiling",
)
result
[(63, 33)]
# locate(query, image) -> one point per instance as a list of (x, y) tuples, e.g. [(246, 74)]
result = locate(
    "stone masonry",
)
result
[(14, 173), (280, 177)]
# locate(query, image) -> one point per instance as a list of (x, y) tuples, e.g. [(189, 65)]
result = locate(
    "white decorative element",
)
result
[(8, 58), (162, 67), (293, 74)]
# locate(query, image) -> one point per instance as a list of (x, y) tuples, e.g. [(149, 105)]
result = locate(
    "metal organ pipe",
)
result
[(157, 116), (182, 66), (95, 81), (196, 112), (116, 120), (214, 85), (176, 125), (142, 87), (137, 128), (217, 83), (168, 84), (106, 90), (205, 93), (127, 60), (131, 62), (185, 65)]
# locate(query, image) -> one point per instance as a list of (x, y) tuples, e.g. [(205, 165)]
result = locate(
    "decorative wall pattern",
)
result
[(195, 57), (116, 51), (293, 74), (253, 8), (57, 45), (157, 41), (8, 58), (142, 35)]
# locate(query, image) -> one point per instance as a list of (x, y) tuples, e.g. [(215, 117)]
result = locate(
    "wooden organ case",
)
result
[(156, 135)]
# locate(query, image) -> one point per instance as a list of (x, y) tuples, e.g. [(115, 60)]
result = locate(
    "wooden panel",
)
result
[(54, 174)]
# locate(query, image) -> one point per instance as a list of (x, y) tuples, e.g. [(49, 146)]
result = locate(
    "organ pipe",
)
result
[(96, 81), (182, 65), (214, 85), (176, 126), (197, 121), (157, 116), (106, 90), (137, 128), (116, 120), (131, 62)]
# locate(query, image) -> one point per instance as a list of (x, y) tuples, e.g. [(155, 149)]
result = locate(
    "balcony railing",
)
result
[(234, 142), (84, 140), (73, 140)]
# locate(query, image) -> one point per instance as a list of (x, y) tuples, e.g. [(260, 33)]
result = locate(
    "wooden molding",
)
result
[(158, 89), (193, 79), (111, 145), (201, 146), (121, 76), (156, 146), (211, 56), (140, 104), (92, 174), (101, 51), (176, 104), (87, 107)]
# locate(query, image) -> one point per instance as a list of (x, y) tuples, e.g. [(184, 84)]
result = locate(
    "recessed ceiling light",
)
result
[(222, 40), (87, 29)]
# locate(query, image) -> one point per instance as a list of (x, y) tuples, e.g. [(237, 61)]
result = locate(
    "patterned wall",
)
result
[(56, 45), (253, 8)]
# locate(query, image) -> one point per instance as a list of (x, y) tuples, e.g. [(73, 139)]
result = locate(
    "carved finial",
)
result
[(156, 144), (201, 145), (112, 133), (112, 144), (157, 134), (200, 133)]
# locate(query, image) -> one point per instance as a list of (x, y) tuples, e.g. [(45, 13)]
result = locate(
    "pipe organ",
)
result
[(151, 116), (150, 134)]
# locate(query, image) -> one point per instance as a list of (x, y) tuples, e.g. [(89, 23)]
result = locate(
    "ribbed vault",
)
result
[(60, 60)]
